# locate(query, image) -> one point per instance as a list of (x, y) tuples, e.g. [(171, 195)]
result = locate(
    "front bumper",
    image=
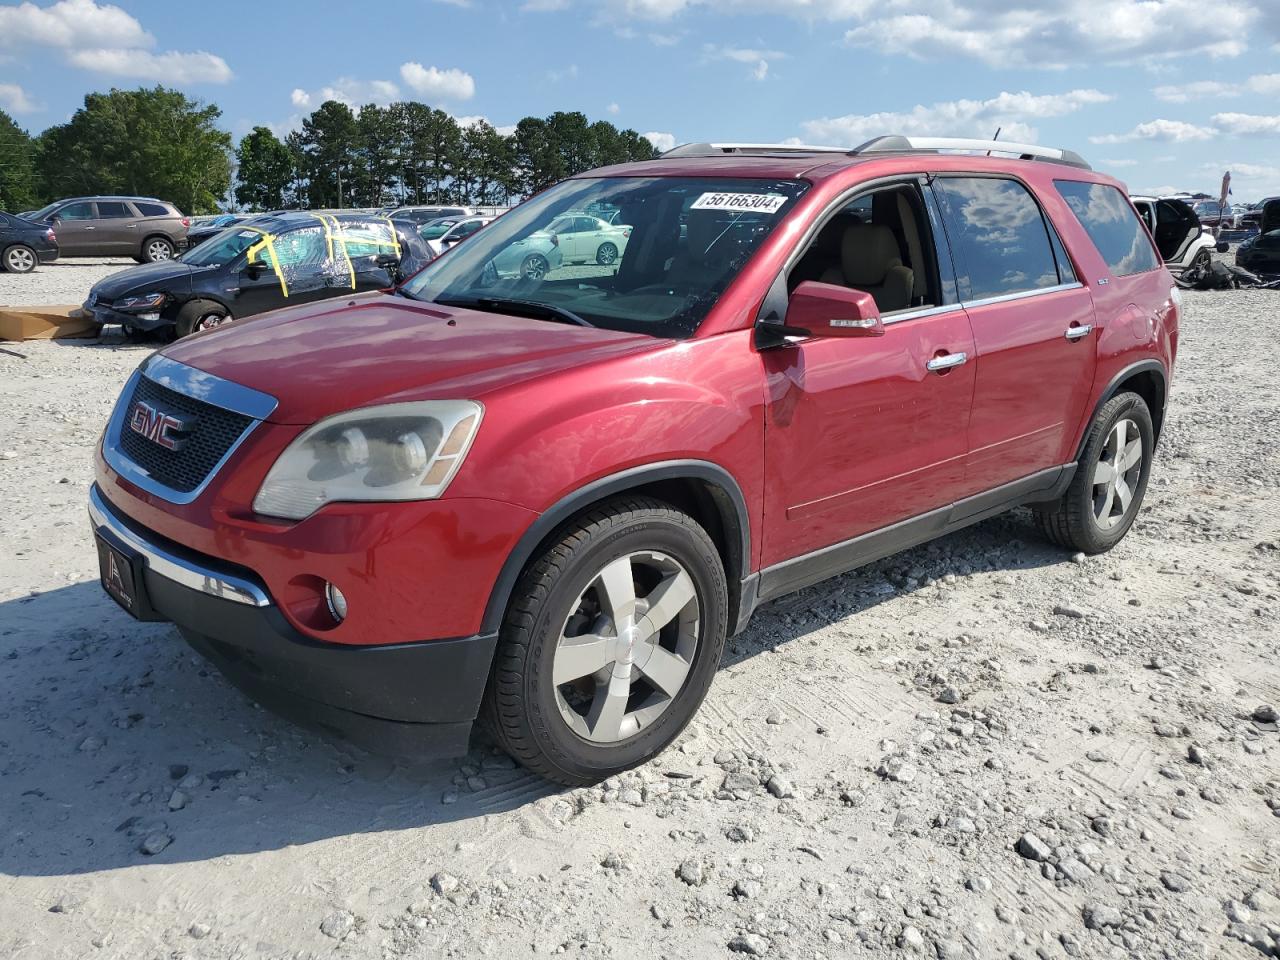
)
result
[(103, 315), (417, 699)]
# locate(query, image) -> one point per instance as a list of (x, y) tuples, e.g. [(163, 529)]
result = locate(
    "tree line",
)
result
[(158, 142)]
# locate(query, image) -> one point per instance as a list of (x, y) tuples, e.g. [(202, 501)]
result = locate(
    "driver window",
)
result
[(879, 243), (78, 211)]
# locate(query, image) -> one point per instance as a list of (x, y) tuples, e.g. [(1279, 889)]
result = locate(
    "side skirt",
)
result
[(800, 572)]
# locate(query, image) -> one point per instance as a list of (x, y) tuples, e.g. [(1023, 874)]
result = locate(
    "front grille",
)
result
[(212, 434)]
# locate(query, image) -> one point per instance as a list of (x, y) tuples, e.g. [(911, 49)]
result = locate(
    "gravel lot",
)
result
[(980, 748), (61, 282)]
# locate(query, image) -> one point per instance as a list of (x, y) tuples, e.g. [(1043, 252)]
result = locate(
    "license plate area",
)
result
[(121, 572)]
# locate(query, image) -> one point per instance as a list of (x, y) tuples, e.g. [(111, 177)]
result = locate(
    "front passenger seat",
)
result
[(869, 261)]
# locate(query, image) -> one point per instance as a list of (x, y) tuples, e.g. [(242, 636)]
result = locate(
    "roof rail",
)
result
[(1024, 151), (727, 149)]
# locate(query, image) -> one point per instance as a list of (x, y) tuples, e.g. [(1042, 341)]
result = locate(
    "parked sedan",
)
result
[(144, 228), (1261, 254), (442, 234), (23, 244), (202, 228), (269, 262), (587, 239)]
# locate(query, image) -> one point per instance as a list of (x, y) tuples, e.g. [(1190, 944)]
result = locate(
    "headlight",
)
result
[(142, 301), (399, 451)]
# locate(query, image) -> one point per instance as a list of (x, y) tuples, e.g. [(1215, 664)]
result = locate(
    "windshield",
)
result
[(674, 246), (221, 247), (436, 229), (44, 212)]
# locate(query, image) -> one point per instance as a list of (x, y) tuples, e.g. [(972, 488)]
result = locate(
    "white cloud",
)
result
[(1267, 84), (613, 109), (1037, 33), (758, 58), (348, 90), (16, 100), (436, 84), (1119, 163), (300, 98), (968, 118), (105, 39), (661, 141), (1248, 124), (71, 23), (1177, 131), (170, 67)]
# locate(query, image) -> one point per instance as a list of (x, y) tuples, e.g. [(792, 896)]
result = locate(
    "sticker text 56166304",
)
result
[(740, 202)]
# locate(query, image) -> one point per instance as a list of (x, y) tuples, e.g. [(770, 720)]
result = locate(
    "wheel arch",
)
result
[(1149, 380), (704, 490), (156, 235)]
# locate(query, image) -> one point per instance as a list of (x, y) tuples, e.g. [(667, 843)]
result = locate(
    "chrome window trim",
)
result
[(192, 383), (1022, 294), (892, 318), (164, 563)]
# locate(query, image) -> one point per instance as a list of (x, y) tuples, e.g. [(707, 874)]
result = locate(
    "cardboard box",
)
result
[(45, 323)]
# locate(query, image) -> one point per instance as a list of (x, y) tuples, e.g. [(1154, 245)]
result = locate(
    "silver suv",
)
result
[(140, 227)]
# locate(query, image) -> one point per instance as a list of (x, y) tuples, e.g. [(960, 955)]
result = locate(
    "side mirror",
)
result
[(827, 310), (1222, 246), (387, 261), (256, 268)]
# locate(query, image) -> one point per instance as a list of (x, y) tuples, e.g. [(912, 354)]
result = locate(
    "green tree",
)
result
[(378, 156), (153, 142), (484, 170), (329, 141), (266, 170), (18, 187)]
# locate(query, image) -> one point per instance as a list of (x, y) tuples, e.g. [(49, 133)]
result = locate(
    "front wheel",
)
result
[(535, 267), (610, 642), (1110, 479), (19, 259), (198, 316)]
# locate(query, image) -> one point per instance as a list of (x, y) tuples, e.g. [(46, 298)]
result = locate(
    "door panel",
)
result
[(859, 434), (1032, 384), (76, 228), (117, 228)]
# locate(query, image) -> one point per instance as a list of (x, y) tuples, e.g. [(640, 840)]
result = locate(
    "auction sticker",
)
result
[(742, 202)]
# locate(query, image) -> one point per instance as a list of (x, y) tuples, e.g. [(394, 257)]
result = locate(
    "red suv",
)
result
[(546, 500)]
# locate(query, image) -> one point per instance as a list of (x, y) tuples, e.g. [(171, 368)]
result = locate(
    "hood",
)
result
[(324, 359), (171, 276)]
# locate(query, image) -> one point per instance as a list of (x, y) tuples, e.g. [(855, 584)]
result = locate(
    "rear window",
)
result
[(152, 209), (1112, 225)]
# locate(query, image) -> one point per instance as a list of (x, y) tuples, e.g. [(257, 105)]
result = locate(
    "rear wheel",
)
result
[(535, 267), (610, 642), (1201, 260), (606, 254), (155, 249), (200, 315), (19, 259), (1110, 480)]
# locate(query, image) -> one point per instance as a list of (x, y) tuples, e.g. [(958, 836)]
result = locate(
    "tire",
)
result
[(19, 259), (606, 254), (1201, 260), (1092, 517), (198, 316), (156, 249), (568, 732), (534, 267)]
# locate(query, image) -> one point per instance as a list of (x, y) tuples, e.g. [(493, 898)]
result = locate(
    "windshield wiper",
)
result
[(520, 308)]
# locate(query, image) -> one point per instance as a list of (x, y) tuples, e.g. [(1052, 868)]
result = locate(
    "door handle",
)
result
[(1075, 333), (131, 226), (91, 228), (946, 362)]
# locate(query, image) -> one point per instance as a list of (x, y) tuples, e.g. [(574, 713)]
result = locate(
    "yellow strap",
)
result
[(395, 239)]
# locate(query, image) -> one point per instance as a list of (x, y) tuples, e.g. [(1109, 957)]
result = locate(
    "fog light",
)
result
[(337, 602)]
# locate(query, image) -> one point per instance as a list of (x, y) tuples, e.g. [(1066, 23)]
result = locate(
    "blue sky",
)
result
[(1164, 94)]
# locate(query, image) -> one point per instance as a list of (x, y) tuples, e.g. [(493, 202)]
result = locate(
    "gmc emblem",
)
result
[(158, 426)]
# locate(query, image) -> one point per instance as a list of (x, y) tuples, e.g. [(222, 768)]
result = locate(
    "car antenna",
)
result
[(996, 137)]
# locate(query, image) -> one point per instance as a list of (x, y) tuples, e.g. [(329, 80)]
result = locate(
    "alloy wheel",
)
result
[(211, 320), (20, 260), (606, 254), (158, 250), (1116, 476), (535, 268), (627, 647)]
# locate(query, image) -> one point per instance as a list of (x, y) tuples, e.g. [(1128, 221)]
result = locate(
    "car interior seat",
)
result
[(870, 261)]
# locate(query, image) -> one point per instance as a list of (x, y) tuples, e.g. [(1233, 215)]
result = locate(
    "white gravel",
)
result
[(65, 281), (1099, 787)]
